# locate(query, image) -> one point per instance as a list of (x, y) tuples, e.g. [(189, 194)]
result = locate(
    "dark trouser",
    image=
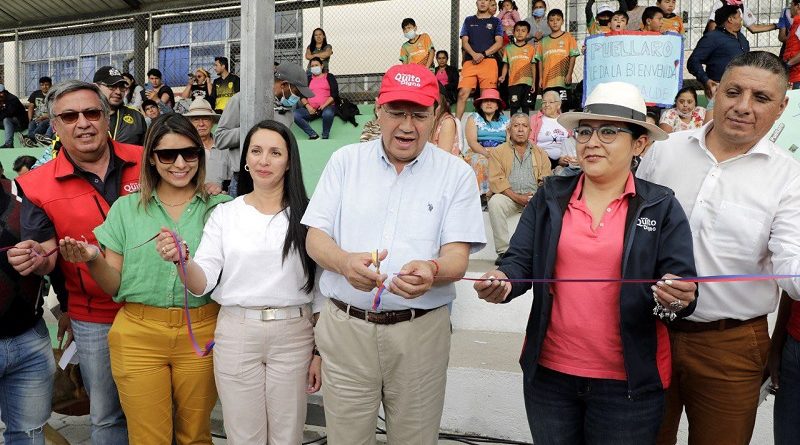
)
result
[(10, 125), (302, 117), (787, 400), (716, 375), (517, 98), (35, 128), (568, 410)]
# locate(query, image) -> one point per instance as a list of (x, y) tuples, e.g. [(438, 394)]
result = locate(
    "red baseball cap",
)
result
[(409, 83)]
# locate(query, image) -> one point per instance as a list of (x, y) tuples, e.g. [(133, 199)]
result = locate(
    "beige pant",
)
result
[(403, 365), (261, 370), (501, 209)]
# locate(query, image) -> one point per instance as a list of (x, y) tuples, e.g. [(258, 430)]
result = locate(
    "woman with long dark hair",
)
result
[(319, 47), (133, 98), (166, 390), (253, 260)]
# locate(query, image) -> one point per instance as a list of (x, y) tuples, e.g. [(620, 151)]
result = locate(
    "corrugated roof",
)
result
[(21, 14)]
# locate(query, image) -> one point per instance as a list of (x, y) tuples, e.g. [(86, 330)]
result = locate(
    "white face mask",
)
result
[(411, 34), (316, 70)]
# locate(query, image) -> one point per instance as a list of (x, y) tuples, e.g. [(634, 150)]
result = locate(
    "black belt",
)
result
[(387, 317), (719, 325)]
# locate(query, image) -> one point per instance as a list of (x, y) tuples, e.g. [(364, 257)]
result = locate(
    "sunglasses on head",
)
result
[(170, 155), (70, 117)]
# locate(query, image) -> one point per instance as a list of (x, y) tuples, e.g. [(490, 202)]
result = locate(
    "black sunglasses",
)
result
[(170, 155), (70, 117)]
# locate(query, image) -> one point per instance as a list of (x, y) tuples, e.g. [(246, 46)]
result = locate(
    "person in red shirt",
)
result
[(792, 52), (70, 196), (596, 360), (784, 370)]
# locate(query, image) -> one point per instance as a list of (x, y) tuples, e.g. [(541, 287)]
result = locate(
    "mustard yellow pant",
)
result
[(166, 390)]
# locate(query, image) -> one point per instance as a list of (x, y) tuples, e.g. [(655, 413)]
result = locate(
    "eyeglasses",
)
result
[(606, 133), (170, 155), (116, 86), (70, 117), (416, 116)]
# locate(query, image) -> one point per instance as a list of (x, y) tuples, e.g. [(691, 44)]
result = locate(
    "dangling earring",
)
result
[(246, 168)]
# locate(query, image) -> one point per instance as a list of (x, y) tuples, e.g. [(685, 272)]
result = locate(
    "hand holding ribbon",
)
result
[(493, 287), (26, 257), (356, 269), (413, 280), (76, 251)]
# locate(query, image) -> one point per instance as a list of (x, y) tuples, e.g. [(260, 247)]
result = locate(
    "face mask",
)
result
[(410, 35), (538, 12), (316, 70), (684, 115), (291, 101)]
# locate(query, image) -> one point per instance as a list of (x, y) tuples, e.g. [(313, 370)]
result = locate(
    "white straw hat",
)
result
[(201, 108), (614, 101)]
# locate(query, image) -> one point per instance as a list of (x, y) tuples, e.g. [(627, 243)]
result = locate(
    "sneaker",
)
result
[(42, 139), (313, 137), (28, 142), (7, 145)]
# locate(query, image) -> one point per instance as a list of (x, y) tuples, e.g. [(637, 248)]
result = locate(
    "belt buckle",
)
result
[(269, 314), (175, 317)]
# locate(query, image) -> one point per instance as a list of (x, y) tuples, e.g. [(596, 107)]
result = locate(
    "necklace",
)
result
[(176, 205)]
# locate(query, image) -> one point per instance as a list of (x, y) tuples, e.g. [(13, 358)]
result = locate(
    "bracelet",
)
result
[(96, 254), (185, 253), (435, 263)]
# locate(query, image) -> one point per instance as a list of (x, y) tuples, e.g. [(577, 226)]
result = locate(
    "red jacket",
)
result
[(75, 209)]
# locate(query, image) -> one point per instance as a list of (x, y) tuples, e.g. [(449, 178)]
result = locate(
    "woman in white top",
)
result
[(253, 256)]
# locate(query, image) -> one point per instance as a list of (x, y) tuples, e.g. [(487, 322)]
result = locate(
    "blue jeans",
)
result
[(10, 125), (35, 128), (302, 117), (787, 400), (564, 409), (108, 421), (26, 385)]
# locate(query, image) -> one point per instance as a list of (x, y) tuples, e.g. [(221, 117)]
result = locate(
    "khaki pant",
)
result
[(717, 377), (403, 365), (164, 387), (501, 209), (261, 368)]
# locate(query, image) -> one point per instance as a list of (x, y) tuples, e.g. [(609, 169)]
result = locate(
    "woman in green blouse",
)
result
[(167, 391)]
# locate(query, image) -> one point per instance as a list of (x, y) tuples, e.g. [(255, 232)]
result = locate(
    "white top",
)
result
[(748, 18), (363, 204), (744, 215), (246, 246), (551, 137)]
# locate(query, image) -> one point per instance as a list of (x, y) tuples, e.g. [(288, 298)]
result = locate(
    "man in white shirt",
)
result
[(741, 193), (412, 210)]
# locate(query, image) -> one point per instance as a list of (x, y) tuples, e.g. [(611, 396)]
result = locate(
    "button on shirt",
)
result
[(744, 215), (364, 204), (521, 177)]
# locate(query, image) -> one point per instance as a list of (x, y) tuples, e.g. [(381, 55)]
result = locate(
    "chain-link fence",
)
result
[(365, 36)]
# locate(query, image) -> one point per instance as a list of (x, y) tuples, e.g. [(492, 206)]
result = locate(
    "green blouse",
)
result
[(146, 277)]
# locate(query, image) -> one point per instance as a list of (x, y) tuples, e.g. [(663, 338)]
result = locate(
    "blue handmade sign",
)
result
[(653, 62)]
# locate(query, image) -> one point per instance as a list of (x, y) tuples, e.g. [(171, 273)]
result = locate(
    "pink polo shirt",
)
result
[(583, 337)]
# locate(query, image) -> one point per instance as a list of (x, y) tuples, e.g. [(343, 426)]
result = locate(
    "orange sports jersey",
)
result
[(418, 51), (672, 24), (520, 60), (554, 54)]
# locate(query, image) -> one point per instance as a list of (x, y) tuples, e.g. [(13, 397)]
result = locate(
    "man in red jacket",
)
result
[(70, 196)]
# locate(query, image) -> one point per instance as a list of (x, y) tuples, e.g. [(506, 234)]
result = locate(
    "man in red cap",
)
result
[(391, 251)]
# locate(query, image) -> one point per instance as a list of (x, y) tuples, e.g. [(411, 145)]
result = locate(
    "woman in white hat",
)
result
[(597, 357), (218, 169)]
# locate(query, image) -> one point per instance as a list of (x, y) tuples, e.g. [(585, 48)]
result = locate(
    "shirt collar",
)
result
[(65, 166), (763, 146), (411, 166), (630, 188)]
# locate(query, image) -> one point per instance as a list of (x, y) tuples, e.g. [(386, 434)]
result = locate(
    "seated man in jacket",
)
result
[(516, 169)]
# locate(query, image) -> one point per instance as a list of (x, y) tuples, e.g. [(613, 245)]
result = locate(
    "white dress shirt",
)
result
[(364, 204), (745, 219), (246, 246)]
